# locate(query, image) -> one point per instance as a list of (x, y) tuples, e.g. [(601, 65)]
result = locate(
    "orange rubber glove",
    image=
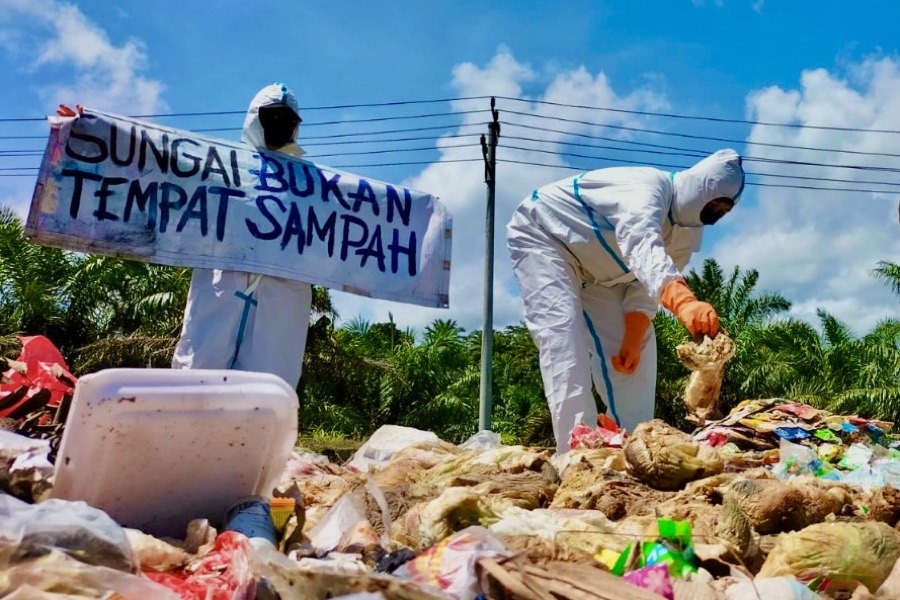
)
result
[(636, 325), (65, 111), (699, 317)]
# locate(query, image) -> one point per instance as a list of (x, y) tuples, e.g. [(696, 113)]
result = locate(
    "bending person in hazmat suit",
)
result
[(248, 321), (594, 255)]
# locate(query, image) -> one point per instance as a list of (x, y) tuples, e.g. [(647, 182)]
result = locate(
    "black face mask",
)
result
[(715, 210), (279, 124)]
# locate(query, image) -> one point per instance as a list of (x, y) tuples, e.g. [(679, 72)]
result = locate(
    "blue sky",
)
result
[(824, 63)]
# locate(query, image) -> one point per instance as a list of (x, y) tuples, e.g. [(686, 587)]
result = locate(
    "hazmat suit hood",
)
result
[(271, 95), (719, 175)]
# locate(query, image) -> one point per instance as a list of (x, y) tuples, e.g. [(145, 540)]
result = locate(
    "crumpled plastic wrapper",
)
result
[(25, 468), (706, 361)]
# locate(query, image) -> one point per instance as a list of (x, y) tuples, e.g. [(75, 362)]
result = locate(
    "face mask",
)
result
[(715, 210), (279, 125)]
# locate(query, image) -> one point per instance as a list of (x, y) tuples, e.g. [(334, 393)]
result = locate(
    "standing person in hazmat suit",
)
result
[(248, 321), (594, 255)]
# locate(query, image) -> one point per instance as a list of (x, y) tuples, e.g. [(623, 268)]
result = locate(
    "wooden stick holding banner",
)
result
[(118, 186)]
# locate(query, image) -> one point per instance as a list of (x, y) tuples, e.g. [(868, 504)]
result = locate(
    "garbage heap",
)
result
[(776, 500)]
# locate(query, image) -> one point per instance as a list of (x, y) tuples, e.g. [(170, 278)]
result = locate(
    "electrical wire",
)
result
[(876, 169), (529, 101), (752, 183), (391, 150), (699, 118), (644, 148), (208, 113), (705, 152), (670, 133)]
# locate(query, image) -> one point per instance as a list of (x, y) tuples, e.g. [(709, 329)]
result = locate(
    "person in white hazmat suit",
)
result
[(248, 321), (594, 255)]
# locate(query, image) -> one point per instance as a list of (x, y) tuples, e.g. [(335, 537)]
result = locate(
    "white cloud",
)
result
[(818, 248), (461, 185), (101, 73), (72, 61)]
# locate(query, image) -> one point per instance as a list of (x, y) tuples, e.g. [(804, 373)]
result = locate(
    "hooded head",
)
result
[(718, 176), (281, 115)]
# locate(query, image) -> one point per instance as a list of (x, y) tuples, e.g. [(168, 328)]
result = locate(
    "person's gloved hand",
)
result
[(65, 111), (629, 357), (699, 317)]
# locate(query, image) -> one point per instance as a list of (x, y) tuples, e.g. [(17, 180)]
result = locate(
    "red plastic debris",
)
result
[(223, 573), (40, 357)]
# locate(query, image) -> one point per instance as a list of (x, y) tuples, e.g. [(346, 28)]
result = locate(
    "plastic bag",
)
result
[(155, 553), (783, 588), (795, 459), (706, 361), (343, 516), (863, 552), (654, 578), (450, 564), (75, 528), (25, 469), (483, 440), (58, 575), (387, 440)]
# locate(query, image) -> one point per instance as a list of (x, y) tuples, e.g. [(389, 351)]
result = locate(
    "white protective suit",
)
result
[(248, 321), (588, 249)]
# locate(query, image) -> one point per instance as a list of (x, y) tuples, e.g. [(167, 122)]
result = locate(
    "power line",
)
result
[(649, 145), (358, 133), (400, 164), (212, 113), (760, 184), (696, 154), (406, 139), (698, 118), (390, 150), (352, 166), (635, 162), (511, 99), (673, 134)]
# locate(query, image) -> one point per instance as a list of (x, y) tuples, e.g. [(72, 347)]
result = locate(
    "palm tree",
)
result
[(30, 287), (889, 272)]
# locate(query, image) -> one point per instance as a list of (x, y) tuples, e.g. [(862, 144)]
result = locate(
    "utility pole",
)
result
[(489, 153)]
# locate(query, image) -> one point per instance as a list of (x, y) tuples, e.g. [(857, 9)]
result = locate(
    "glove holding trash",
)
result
[(706, 361)]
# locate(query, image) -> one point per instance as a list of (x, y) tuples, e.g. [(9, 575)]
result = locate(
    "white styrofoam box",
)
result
[(155, 448)]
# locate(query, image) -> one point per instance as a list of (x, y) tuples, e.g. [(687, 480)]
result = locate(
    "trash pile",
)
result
[(798, 439), (776, 500)]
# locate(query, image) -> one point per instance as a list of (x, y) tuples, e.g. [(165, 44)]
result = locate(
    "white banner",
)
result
[(117, 186)]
